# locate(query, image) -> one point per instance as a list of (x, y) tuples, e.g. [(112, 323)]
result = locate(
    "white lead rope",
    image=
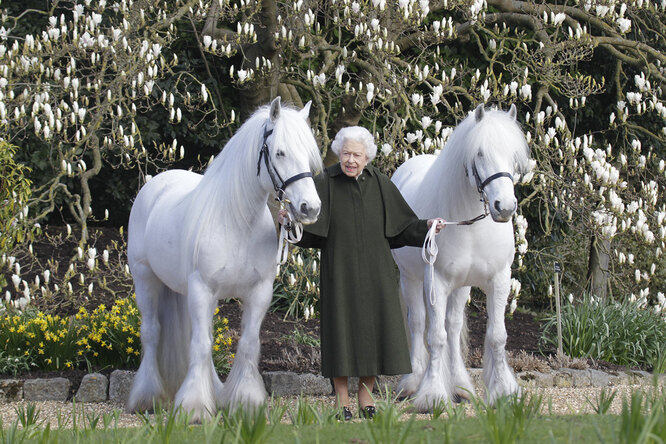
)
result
[(430, 249), (429, 255), (290, 233)]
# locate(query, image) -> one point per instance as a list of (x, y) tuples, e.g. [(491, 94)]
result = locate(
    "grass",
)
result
[(301, 337), (592, 428), (520, 419)]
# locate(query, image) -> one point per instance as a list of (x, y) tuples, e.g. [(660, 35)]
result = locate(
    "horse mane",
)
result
[(225, 199), (446, 188)]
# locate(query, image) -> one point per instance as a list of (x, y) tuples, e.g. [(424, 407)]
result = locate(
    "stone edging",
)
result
[(96, 387)]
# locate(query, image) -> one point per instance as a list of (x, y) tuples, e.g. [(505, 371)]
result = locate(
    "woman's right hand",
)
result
[(282, 216)]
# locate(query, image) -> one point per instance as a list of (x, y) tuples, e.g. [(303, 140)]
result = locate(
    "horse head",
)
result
[(288, 156), (501, 153)]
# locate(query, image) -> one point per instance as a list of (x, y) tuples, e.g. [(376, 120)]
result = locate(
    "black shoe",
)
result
[(345, 414), (367, 412)]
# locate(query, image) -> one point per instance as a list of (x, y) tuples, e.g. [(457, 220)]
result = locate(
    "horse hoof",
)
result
[(461, 398)]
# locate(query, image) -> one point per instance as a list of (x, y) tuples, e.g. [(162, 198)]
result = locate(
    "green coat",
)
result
[(362, 328)]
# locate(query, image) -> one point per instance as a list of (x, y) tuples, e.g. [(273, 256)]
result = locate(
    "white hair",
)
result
[(357, 134)]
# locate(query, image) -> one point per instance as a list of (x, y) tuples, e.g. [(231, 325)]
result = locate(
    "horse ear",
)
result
[(275, 109), (305, 112), (513, 112), (479, 112)]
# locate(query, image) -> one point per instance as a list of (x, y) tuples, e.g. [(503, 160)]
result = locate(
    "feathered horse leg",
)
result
[(462, 384), (196, 394), (245, 387), (436, 384), (412, 295), (148, 387), (497, 374)]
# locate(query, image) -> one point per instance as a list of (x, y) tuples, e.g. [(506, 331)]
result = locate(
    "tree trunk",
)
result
[(598, 271), (265, 88)]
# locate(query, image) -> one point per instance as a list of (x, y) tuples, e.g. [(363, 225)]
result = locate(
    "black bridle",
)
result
[(480, 186), (279, 184)]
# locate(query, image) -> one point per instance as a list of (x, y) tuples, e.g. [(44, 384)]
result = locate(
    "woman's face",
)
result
[(353, 158)]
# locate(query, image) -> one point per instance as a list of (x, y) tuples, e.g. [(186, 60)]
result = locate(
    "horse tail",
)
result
[(175, 333)]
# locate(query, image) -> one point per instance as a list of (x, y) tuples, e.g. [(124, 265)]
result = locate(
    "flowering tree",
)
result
[(587, 77), (74, 81)]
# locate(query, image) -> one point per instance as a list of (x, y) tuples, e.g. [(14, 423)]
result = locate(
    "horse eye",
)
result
[(280, 154), (480, 154)]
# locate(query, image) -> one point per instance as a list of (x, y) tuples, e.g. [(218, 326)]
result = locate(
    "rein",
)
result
[(430, 250), (292, 231)]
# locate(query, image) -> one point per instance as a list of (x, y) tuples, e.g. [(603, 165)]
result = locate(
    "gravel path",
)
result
[(560, 401)]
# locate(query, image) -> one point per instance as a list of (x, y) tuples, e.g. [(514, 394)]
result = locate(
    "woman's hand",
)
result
[(440, 224), (282, 216)]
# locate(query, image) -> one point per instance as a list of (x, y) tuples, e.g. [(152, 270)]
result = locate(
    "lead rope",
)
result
[(290, 233), (430, 250), (429, 255)]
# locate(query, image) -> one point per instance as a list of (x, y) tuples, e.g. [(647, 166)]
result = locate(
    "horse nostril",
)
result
[(497, 205), (304, 208)]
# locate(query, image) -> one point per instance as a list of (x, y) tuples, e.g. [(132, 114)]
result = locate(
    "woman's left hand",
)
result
[(440, 224)]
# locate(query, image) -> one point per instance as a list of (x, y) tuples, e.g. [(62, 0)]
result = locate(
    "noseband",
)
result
[(279, 184), (480, 186)]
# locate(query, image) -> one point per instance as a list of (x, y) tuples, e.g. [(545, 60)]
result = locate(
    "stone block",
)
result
[(11, 390), (93, 388), (386, 383), (580, 378), (534, 379), (283, 383), (618, 378), (51, 389), (599, 378), (639, 377), (563, 378), (120, 385)]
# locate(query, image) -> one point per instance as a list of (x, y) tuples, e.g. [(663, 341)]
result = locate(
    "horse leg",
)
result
[(245, 386), (147, 386), (436, 385), (497, 375), (217, 384), (412, 295), (195, 395), (460, 380)]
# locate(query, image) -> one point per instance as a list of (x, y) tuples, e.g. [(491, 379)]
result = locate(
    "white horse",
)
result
[(194, 239), (471, 176)]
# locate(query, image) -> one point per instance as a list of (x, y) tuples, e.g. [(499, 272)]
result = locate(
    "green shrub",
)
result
[(94, 340), (110, 337), (617, 332), (296, 288), (14, 194), (46, 340)]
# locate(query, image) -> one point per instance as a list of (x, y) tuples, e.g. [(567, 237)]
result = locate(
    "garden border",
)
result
[(96, 387)]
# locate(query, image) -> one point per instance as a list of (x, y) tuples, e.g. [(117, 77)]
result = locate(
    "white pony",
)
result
[(193, 240), (471, 176)]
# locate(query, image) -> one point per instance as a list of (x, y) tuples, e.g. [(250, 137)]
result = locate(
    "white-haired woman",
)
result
[(363, 216)]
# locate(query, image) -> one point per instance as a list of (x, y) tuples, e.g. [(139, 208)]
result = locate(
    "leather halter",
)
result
[(480, 185), (279, 184)]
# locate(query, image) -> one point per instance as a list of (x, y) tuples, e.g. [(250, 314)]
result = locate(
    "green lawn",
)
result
[(559, 429)]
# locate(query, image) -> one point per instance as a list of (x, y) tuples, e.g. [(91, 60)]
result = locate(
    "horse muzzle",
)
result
[(306, 212), (503, 211)]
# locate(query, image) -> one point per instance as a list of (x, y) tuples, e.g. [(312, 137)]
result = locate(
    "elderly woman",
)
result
[(363, 216)]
